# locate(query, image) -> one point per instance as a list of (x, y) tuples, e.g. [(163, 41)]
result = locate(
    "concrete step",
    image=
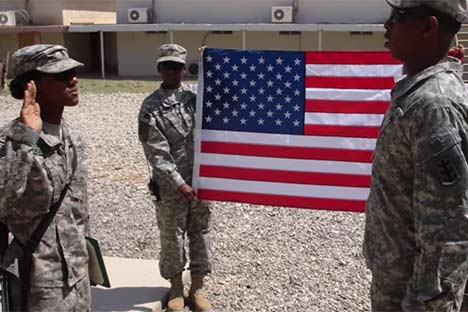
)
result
[(136, 286)]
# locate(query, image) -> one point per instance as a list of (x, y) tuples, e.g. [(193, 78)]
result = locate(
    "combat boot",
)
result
[(196, 294), (176, 297)]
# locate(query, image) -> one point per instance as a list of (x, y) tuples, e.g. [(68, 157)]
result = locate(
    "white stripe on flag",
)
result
[(334, 70), (294, 165), (330, 94), (366, 120), (288, 140), (285, 189)]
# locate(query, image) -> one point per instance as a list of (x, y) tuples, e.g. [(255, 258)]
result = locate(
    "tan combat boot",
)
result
[(197, 296), (176, 297)]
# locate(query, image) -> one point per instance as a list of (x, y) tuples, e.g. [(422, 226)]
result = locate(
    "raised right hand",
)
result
[(31, 111)]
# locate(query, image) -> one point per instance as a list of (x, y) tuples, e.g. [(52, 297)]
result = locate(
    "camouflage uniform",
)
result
[(34, 169), (166, 123), (416, 235)]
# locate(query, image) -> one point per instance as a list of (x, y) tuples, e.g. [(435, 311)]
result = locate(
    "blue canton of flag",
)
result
[(254, 91)]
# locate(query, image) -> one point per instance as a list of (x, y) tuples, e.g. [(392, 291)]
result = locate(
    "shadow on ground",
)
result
[(127, 298)]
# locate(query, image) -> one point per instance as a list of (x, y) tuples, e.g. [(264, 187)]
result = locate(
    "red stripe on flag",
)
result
[(343, 131), (375, 83), (286, 201), (281, 176), (286, 152), (351, 58), (346, 107)]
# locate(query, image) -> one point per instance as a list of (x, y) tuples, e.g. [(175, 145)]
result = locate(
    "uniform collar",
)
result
[(52, 129), (165, 93), (403, 86), (53, 140)]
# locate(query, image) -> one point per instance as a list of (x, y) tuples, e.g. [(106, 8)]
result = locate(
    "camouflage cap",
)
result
[(172, 52), (454, 8), (45, 58)]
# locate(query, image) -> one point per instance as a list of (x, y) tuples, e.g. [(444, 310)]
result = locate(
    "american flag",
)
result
[(293, 129)]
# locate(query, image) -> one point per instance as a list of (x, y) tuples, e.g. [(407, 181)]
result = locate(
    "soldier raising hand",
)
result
[(43, 198), (31, 111)]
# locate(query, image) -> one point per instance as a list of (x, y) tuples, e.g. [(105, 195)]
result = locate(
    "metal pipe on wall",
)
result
[(320, 33), (295, 5), (244, 40), (103, 62), (153, 12)]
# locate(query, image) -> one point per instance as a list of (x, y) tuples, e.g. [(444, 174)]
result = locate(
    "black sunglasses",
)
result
[(401, 15), (172, 66), (65, 76)]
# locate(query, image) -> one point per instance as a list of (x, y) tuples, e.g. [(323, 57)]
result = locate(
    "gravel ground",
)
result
[(266, 258)]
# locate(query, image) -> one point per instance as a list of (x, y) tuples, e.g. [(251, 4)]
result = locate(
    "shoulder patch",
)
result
[(447, 171), (447, 164)]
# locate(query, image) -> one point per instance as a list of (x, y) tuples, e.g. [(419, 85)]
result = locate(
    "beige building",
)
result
[(135, 50), (98, 32), (65, 12), (129, 50)]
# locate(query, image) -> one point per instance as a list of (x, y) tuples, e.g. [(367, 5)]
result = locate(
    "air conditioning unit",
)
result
[(7, 18), (138, 15), (282, 14)]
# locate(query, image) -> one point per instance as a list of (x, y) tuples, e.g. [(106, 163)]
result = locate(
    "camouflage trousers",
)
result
[(387, 295), (178, 218), (58, 299)]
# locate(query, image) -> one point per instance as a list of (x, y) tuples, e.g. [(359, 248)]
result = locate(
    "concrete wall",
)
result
[(345, 41), (52, 38), (261, 40), (135, 53), (6, 5), (258, 11), (141, 63), (147, 45), (210, 11)]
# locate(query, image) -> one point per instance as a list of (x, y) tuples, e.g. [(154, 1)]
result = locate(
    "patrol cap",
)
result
[(45, 58), (453, 8), (172, 53)]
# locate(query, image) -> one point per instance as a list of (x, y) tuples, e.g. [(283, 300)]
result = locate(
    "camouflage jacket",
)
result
[(416, 232), (34, 169), (165, 129)]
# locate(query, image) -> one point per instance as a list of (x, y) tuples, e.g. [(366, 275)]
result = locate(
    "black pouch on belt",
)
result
[(154, 190)]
